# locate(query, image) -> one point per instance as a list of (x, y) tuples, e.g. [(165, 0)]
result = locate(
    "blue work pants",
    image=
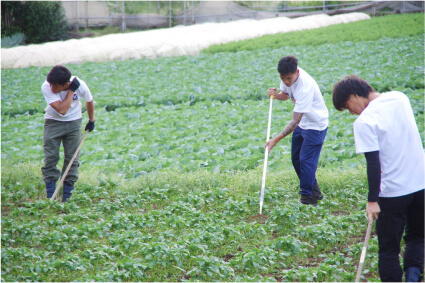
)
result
[(306, 147)]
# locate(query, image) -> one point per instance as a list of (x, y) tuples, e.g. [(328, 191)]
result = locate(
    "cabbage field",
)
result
[(172, 172)]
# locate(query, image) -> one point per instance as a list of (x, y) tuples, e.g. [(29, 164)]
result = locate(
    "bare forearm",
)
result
[(63, 106), (282, 96), (296, 119), (90, 110), (272, 91)]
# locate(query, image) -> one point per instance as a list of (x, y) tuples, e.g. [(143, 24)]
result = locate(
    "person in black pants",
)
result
[(386, 132)]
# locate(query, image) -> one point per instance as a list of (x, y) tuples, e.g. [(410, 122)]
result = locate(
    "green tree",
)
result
[(40, 21), (9, 22)]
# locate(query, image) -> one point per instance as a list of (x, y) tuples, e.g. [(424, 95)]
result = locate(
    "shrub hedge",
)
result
[(40, 21)]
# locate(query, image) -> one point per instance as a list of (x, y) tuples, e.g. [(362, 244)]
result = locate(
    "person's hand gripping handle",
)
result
[(272, 92)]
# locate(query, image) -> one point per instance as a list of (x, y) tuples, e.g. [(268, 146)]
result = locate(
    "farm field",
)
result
[(172, 172)]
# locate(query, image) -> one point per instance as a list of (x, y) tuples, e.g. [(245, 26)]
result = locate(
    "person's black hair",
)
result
[(287, 65), (59, 75), (349, 85)]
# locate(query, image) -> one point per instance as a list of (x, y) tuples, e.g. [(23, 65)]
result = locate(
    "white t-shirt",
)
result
[(309, 101), (387, 124), (74, 112)]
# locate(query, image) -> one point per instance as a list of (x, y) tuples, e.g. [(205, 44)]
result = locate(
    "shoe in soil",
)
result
[(413, 274), (67, 189), (317, 194), (308, 199), (50, 188)]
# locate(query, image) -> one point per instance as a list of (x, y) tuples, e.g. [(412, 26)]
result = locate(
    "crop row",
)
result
[(224, 76), (210, 133), (216, 136), (213, 135), (391, 26)]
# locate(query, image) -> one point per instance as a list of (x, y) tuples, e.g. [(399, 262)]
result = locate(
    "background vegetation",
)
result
[(172, 173), (401, 25), (38, 21)]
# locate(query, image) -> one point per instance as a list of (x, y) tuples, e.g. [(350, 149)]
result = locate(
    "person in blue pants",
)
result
[(309, 125)]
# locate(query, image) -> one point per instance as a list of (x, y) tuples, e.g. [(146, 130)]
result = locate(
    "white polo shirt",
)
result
[(74, 112), (309, 101), (387, 124)]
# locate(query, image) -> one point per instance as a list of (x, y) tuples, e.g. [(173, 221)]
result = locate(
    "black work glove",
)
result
[(75, 84), (89, 126)]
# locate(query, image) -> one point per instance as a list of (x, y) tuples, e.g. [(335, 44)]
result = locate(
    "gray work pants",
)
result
[(57, 132)]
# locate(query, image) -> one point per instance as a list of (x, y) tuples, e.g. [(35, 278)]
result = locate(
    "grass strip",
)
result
[(392, 26)]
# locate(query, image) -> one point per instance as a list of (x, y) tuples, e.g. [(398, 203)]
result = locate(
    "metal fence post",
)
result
[(76, 15), (87, 14), (123, 17), (169, 10), (184, 13), (193, 13)]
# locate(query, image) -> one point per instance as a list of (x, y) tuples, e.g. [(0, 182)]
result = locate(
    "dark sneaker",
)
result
[(50, 188), (317, 194), (67, 189), (413, 274), (308, 199)]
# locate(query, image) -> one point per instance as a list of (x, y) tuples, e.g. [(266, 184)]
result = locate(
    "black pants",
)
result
[(398, 215)]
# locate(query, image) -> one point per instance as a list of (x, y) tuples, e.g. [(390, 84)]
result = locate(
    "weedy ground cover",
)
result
[(172, 172), (176, 226)]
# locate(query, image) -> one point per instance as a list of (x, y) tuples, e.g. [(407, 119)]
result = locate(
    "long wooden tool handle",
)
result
[(266, 154), (69, 167), (363, 255), (270, 118)]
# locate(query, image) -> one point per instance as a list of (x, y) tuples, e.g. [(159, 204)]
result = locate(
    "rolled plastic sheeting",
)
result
[(176, 41)]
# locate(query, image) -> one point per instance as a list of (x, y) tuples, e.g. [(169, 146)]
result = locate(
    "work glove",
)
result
[(75, 84), (89, 126)]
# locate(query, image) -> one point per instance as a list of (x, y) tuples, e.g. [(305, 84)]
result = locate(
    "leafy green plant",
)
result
[(13, 40)]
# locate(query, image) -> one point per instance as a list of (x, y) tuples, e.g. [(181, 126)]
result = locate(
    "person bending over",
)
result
[(63, 116), (309, 125), (387, 134)]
